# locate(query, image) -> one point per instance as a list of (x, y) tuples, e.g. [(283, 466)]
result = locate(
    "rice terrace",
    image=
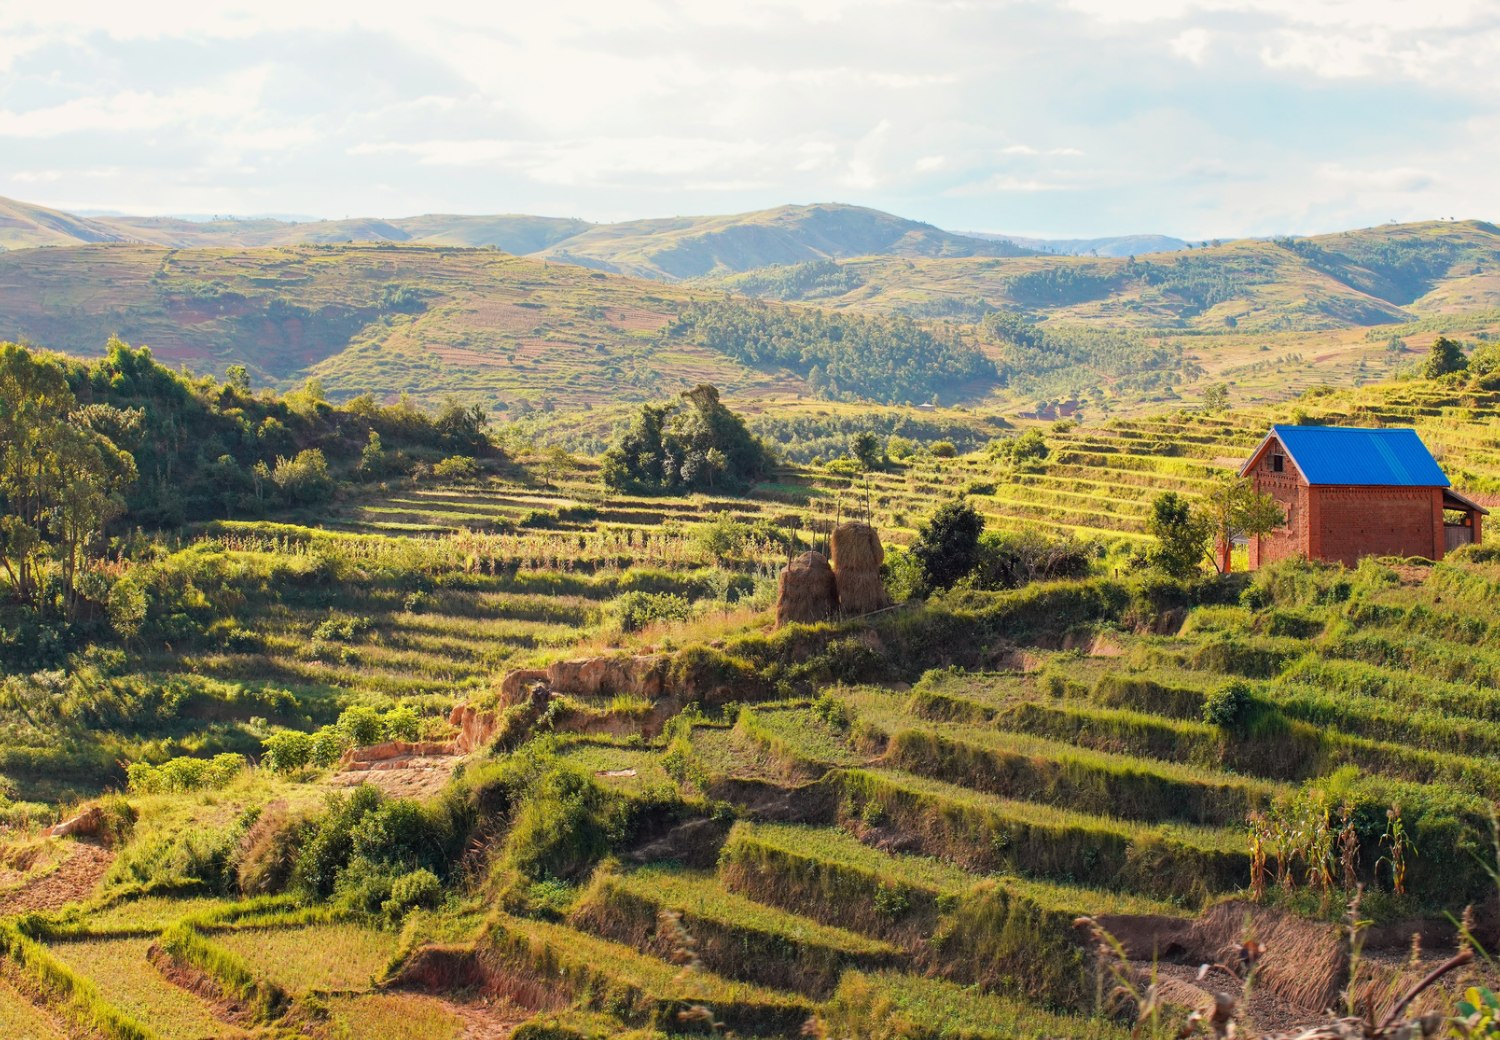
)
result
[(793, 621)]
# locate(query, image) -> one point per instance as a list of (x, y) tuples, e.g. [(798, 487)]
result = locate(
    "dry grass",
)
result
[(128, 982), (330, 957)]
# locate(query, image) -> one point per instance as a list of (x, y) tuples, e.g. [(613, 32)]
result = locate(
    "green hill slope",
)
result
[(1357, 278), (691, 247)]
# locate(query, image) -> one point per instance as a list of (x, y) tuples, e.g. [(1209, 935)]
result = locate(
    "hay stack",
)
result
[(857, 557), (805, 591)]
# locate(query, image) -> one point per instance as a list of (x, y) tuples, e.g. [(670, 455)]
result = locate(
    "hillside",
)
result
[(1358, 278), (1113, 245), (692, 247), (667, 249), (636, 805), (1109, 335), (23, 226)]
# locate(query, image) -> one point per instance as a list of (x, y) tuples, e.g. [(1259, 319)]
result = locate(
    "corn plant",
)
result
[(1399, 843)]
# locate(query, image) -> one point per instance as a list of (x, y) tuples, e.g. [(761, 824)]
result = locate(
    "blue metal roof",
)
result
[(1359, 456)]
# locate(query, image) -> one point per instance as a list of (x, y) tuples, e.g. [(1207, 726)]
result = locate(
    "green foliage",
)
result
[(1182, 534), (1023, 450), (185, 774), (1445, 358), (1477, 1014), (456, 468), (61, 479), (842, 356), (287, 751), (695, 442), (419, 889), (947, 545), (636, 610), (1236, 510), (303, 480), (1228, 705), (362, 725), (1064, 359), (1011, 559)]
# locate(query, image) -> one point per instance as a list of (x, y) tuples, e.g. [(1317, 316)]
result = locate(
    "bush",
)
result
[(185, 774), (947, 545), (1229, 705), (420, 888), (456, 467), (636, 610), (401, 723), (303, 480), (361, 725), (287, 751)]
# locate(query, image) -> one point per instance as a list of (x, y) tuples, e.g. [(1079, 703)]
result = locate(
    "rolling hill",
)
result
[(668, 249), (692, 247), (1269, 318), (1368, 277), (1113, 245)]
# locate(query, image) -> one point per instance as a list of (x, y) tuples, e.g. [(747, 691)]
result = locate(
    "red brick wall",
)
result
[(1288, 490), (1378, 521)]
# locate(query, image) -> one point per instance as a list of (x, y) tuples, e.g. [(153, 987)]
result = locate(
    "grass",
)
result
[(891, 1005), (395, 1016), (700, 896), (129, 983), (633, 985), (23, 1019), (320, 958), (673, 913)]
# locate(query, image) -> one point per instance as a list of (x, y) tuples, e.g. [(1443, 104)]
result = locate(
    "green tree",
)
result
[(1216, 397), (1446, 356), (694, 442), (1182, 535), (947, 545), (237, 376), (1235, 509), (866, 448), (61, 481)]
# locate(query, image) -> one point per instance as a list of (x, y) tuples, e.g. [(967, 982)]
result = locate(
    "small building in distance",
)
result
[(1349, 492)]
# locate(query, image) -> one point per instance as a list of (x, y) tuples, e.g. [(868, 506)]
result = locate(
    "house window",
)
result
[(1278, 463)]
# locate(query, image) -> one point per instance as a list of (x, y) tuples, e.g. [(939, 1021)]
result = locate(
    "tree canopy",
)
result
[(61, 477), (694, 442)]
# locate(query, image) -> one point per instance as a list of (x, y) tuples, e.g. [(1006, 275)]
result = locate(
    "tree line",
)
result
[(843, 357)]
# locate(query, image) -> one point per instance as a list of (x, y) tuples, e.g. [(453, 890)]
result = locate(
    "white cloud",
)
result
[(1192, 44), (1201, 117)]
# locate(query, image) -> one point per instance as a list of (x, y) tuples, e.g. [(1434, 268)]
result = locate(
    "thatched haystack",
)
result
[(857, 557), (805, 591)]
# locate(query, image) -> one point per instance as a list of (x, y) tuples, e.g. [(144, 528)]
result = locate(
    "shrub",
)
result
[(361, 725), (456, 467), (1229, 705), (327, 747), (185, 773), (401, 723), (419, 888), (303, 480), (287, 751), (636, 610), (947, 545)]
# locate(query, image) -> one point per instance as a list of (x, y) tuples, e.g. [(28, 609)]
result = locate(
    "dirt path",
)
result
[(72, 880), (1267, 1013), (489, 1021)]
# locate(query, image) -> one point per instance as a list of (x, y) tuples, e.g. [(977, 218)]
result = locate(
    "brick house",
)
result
[(1349, 492)]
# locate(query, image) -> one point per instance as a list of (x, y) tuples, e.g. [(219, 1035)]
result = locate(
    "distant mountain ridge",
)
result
[(1114, 246), (666, 249)]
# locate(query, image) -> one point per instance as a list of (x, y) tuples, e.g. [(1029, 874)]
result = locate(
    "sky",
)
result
[(1197, 118)]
